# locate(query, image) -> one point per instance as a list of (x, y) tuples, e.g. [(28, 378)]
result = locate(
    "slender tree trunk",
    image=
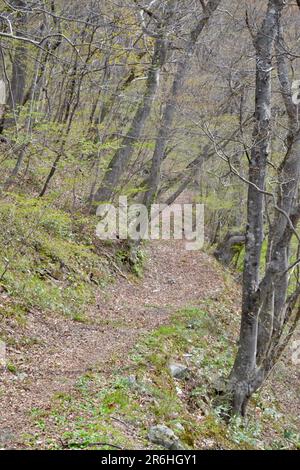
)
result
[(244, 378), (19, 68), (170, 107), (120, 160)]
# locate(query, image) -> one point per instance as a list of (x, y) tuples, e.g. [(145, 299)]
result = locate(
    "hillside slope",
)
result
[(48, 351)]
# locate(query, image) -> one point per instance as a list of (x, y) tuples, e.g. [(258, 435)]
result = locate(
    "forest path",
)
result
[(58, 350)]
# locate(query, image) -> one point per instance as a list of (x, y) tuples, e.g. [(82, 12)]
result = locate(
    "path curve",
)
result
[(63, 349)]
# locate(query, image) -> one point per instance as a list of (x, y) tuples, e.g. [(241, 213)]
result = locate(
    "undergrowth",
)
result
[(48, 260), (104, 413)]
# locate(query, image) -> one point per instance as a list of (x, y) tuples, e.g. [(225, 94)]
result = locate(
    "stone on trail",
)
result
[(165, 437), (178, 371)]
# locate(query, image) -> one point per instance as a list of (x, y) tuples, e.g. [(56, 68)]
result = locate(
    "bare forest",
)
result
[(149, 214)]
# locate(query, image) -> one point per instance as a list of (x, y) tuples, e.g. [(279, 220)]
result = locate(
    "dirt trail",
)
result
[(59, 350)]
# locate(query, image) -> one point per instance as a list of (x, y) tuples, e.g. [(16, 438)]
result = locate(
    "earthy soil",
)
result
[(51, 351)]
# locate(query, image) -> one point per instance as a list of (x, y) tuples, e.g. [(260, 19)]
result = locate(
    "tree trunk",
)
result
[(19, 68), (170, 107), (227, 249), (245, 378), (120, 160)]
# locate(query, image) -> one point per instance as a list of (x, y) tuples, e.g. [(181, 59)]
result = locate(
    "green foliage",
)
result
[(48, 258), (11, 368)]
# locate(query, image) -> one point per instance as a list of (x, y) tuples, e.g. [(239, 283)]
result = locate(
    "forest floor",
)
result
[(67, 381), (56, 350)]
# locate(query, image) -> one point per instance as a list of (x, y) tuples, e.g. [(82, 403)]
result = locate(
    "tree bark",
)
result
[(170, 107), (120, 160), (245, 378), (19, 68)]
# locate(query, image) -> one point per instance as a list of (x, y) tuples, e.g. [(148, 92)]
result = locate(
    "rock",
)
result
[(165, 437), (139, 387), (179, 427), (6, 436), (178, 371), (22, 376), (219, 385), (132, 380)]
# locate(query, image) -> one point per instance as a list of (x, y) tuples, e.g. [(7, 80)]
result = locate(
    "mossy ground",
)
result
[(48, 260)]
